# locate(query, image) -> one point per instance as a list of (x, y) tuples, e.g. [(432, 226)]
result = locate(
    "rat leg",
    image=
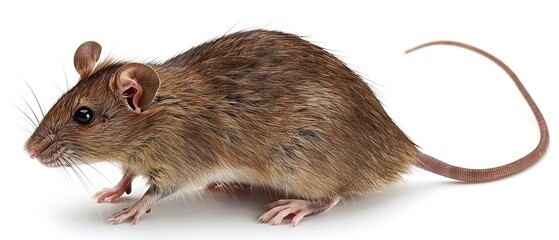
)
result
[(139, 208), (115, 193), (280, 209)]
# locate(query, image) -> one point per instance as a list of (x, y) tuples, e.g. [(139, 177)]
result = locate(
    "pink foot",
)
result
[(134, 212), (109, 195), (279, 210), (114, 194)]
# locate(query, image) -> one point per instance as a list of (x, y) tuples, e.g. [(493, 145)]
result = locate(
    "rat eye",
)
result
[(83, 115)]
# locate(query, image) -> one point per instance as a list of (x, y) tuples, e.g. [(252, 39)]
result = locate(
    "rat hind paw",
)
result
[(279, 210), (133, 212)]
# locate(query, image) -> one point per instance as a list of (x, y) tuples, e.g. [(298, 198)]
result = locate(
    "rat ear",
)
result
[(138, 83), (86, 57)]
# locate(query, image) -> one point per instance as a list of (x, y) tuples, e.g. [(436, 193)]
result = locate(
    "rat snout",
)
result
[(42, 149), (33, 151)]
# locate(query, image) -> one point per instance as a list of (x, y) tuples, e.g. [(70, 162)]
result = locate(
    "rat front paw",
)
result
[(109, 195), (115, 193)]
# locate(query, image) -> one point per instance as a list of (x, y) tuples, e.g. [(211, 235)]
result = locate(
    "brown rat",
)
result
[(263, 108)]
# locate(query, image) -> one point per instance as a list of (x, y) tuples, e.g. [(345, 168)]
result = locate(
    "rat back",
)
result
[(283, 112)]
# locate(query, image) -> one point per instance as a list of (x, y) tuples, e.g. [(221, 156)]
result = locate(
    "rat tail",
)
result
[(488, 174)]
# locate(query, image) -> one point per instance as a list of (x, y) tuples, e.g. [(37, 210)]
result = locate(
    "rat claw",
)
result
[(136, 219)]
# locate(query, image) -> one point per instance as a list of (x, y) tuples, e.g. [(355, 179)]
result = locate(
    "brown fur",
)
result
[(291, 115)]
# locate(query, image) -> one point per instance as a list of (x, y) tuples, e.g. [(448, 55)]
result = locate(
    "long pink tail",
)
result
[(489, 174)]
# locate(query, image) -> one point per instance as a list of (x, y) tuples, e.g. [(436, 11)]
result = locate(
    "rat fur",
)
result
[(259, 107)]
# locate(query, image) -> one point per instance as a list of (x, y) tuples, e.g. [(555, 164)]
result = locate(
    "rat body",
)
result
[(262, 108)]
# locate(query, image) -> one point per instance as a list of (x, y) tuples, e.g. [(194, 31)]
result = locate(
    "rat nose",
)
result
[(33, 154)]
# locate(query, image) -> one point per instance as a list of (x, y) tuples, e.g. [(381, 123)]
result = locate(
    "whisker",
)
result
[(58, 87), (29, 120), (64, 164), (24, 129), (114, 164), (77, 175), (82, 173), (91, 166), (67, 178), (83, 183), (32, 110), (36, 99), (65, 76)]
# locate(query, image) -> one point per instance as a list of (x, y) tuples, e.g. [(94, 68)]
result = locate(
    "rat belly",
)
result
[(230, 175)]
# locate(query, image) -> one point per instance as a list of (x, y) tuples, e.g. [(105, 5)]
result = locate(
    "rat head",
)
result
[(95, 119)]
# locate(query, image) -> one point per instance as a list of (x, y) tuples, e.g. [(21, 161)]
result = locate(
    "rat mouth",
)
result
[(45, 148), (57, 159), (51, 154), (55, 163), (45, 153), (39, 148), (59, 156)]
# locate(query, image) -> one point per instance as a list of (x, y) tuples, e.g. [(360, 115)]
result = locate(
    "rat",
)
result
[(259, 108)]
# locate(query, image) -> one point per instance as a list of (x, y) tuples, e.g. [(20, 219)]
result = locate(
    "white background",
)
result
[(453, 103)]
